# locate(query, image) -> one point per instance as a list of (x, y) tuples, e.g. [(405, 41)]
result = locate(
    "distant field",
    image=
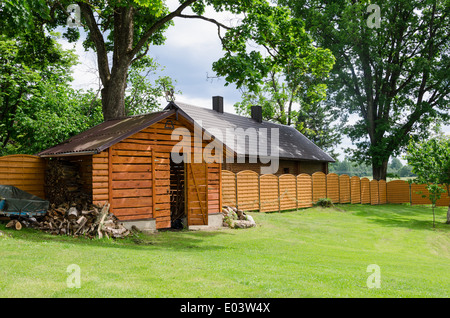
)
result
[(307, 253)]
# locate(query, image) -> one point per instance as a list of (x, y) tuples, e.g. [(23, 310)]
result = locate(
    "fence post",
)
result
[(296, 192), (236, 187), (279, 199), (259, 192)]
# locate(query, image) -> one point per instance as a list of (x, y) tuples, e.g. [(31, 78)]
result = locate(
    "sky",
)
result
[(187, 56)]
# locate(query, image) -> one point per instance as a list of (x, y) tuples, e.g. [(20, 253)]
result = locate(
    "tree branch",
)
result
[(205, 19), (97, 38), (158, 24)]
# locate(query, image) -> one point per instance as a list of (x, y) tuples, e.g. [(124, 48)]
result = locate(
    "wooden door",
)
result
[(196, 193)]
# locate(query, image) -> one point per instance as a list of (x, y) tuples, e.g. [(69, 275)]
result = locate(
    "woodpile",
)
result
[(236, 218), (68, 220), (63, 183)]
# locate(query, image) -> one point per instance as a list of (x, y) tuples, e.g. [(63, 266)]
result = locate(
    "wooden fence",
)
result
[(24, 172), (269, 193)]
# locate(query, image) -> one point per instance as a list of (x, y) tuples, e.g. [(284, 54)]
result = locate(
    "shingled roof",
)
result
[(292, 144)]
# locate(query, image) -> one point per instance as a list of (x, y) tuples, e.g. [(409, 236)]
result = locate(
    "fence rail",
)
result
[(24, 172), (271, 193)]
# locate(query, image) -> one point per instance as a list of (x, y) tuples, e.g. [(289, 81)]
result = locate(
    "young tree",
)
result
[(394, 77), (430, 161)]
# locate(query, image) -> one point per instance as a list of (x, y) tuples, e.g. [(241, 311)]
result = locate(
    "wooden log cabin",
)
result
[(127, 162)]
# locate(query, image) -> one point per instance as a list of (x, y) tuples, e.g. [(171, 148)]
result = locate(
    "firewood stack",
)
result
[(63, 184), (68, 220)]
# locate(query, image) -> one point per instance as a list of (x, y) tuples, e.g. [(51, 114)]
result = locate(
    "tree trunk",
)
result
[(448, 215), (379, 171), (113, 95)]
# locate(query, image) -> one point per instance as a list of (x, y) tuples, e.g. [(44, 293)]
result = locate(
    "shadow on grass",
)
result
[(417, 217), (177, 240)]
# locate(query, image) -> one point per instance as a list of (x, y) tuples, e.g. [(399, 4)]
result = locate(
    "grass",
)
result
[(307, 253)]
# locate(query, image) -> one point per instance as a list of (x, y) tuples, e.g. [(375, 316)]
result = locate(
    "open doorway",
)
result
[(177, 194)]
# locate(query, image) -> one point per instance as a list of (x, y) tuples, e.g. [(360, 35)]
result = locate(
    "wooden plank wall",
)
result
[(24, 172), (277, 192), (228, 188), (355, 190), (288, 192), (269, 193), (304, 190), (247, 190), (382, 194), (365, 191), (139, 185), (397, 191), (344, 189), (333, 187), (319, 185), (374, 190)]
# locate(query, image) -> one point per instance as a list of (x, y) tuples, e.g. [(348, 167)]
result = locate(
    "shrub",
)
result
[(324, 202)]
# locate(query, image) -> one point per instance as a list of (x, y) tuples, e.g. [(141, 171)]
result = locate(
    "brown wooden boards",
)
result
[(248, 190), (288, 192), (24, 172), (196, 180), (333, 187), (304, 190)]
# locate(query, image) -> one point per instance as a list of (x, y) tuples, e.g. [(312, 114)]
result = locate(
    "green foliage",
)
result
[(350, 168), (324, 203), (430, 160), (394, 78), (38, 108), (298, 105), (143, 94)]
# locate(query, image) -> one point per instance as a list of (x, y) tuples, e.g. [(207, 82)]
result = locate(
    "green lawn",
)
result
[(307, 253)]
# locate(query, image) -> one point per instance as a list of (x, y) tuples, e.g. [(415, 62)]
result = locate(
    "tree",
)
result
[(121, 32), (36, 95), (430, 161), (142, 95), (395, 164), (295, 107), (394, 78)]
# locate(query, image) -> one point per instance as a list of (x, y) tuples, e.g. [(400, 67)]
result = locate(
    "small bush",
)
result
[(324, 202)]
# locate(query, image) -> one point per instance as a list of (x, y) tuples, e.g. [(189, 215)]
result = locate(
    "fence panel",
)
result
[(419, 190), (344, 188), (444, 200), (304, 190), (247, 190), (228, 188), (288, 192), (374, 192), (382, 192), (355, 193), (269, 193), (333, 187), (397, 191), (319, 185), (365, 191), (24, 172)]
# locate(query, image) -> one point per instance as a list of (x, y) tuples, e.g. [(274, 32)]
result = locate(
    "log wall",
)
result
[(134, 175)]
